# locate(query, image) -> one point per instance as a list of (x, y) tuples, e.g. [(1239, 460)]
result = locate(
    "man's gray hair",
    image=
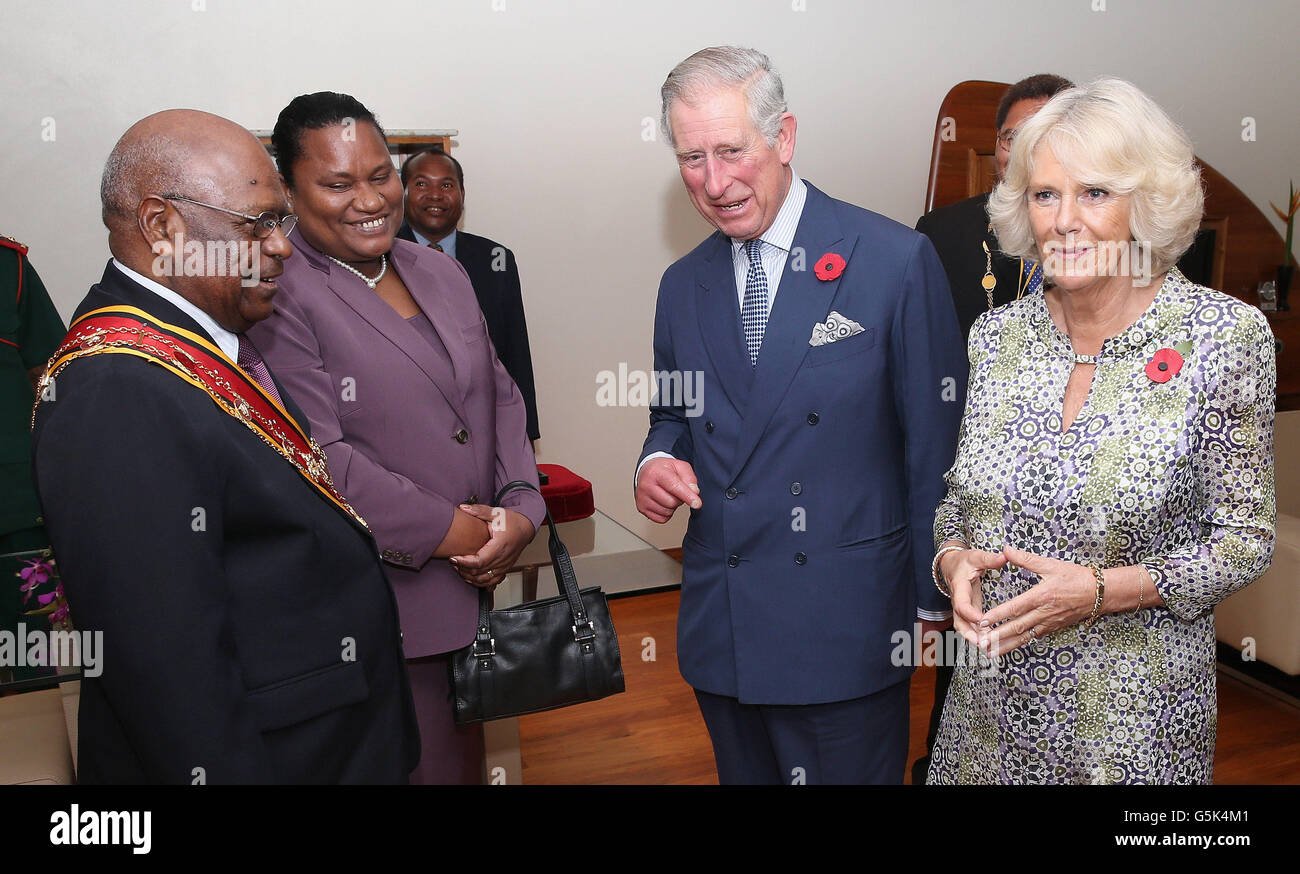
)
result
[(727, 67), (154, 162)]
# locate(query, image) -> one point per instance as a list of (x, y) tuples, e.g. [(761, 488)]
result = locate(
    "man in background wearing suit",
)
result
[(814, 465), (248, 632), (435, 198), (982, 278)]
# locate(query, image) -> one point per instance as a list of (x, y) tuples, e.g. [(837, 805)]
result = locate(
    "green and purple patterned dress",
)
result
[(1174, 475)]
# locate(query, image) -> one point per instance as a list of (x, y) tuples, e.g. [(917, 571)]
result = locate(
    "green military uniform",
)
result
[(30, 331)]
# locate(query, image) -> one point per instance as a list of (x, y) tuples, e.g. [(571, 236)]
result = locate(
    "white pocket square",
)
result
[(836, 327)]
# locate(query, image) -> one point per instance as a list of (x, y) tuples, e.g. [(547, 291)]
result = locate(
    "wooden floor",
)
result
[(653, 733)]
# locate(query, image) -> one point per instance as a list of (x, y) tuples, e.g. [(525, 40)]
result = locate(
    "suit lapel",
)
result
[(427, 291), (384, 319), (117, 288), (719, 312), (802, 300)]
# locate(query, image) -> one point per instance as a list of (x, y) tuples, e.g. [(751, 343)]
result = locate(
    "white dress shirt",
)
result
[(776, 240), (226, 341)]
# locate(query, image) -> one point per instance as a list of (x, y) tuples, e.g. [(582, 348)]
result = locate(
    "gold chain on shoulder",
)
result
[(313, 465)]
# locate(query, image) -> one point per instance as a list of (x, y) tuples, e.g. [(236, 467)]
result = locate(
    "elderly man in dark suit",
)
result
[(814, 463), (249, 634), (435, 198)]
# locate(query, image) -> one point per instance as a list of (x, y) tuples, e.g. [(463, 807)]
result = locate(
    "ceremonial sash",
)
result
[(124, 330)]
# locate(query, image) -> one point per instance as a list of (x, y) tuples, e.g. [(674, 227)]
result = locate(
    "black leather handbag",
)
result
[(540, 655)]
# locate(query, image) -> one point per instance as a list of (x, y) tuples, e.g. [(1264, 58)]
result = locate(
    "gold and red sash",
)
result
[(124, 330)]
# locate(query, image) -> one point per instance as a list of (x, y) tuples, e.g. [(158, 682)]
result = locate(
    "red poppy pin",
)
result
[(829, 266), (1164, 365)]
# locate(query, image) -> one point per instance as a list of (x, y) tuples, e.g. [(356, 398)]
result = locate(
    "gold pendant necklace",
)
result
[(989, 281)]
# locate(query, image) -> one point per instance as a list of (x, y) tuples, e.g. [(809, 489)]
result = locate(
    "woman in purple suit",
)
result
[(383, 345)]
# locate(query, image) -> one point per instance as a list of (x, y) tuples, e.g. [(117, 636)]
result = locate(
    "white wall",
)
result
[(549, 97)]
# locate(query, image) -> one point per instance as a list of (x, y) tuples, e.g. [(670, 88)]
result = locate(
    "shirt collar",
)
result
[(781, 232), (448, 242), (226, 341)]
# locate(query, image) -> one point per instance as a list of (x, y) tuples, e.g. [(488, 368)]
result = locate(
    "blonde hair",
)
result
[(1111, 135)]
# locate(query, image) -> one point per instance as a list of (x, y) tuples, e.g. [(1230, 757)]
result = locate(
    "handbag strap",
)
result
[(566, 580)]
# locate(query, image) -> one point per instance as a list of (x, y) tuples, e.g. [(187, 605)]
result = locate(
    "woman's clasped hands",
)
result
[(1064, 595)]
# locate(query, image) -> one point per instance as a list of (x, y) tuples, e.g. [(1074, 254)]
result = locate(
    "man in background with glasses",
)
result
[(249, 633), (980, 276)]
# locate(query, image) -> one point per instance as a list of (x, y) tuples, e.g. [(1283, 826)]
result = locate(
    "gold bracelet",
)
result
[(1142, 581), (934, 569), (1101, 594)]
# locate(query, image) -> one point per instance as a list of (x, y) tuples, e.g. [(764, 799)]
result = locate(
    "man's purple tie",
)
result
[(252, 364)]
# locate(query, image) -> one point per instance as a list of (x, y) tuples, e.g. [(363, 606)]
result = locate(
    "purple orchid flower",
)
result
[(37, 572)]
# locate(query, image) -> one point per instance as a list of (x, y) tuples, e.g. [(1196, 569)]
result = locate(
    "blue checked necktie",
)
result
[(753, 313), (1034, 283)]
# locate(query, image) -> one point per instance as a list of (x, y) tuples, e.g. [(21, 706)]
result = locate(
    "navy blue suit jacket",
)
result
[(820, 468)]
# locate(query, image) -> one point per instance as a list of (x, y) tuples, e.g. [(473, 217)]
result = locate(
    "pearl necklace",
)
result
[(383, 268)]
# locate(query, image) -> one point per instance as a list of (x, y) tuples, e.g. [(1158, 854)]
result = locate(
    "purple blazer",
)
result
[(391, 415)]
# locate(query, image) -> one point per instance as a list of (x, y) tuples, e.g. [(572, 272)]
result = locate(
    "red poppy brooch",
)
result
[(1166, 363), (829, 266)]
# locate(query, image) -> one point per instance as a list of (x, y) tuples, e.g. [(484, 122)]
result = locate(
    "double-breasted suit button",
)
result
[(461, 436), (733, 561), (800, 558), (813, 418), (731, 494), (796, 488), (708, 427)]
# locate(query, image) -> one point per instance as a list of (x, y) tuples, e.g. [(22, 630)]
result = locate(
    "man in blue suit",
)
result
[(834, 373)]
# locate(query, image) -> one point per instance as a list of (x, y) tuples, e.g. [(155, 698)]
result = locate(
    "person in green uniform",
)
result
[(30, 331)]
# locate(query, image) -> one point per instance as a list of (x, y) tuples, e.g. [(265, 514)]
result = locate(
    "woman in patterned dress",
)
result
[(1114, 476)]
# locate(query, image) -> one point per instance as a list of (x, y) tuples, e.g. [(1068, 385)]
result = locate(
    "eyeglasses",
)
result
[(1006, 138), (263, 225)]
